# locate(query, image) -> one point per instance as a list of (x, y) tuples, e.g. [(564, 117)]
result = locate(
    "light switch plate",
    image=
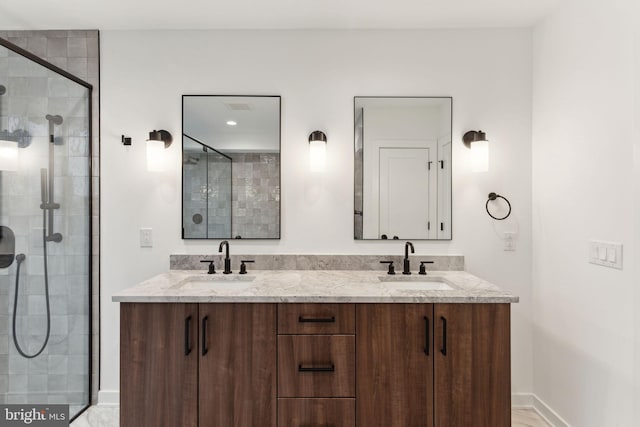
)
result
[(509, 241), (146, 238), (607, 254)]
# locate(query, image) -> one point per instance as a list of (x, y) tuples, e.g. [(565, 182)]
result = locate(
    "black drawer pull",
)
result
[(331, 319), (205, 320), (331, 368), (187, 336)]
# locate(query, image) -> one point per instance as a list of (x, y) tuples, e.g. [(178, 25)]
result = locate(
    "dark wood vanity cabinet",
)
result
[(472, 366), (316, 365), (158, 365), (190, 365), (301, 365), (442, 365), (394, 365), (237, 384)]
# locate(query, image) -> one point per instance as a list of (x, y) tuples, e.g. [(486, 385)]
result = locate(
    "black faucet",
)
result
[(406, 269), (227, 260)]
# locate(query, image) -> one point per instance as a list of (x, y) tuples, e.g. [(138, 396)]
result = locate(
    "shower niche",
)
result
[(45, 232)]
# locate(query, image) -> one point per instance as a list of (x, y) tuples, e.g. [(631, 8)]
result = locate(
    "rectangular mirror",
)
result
[(230, 167), (402, 168)]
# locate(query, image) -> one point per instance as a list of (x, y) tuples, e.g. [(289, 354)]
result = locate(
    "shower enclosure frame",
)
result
[(22, 52)]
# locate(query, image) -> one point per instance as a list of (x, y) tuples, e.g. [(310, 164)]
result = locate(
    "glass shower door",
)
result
[(45, 212)]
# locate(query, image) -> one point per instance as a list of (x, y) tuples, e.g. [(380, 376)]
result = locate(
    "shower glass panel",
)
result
[(45, 233), (207, 200)]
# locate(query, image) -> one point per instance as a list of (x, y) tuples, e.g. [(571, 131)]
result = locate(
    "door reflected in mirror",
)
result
[(230, 167), (402, 168)]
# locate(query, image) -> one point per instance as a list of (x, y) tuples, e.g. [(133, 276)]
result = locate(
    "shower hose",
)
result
[(20, 258)]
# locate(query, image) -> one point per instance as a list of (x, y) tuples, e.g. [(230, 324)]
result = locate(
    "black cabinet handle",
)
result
[(331, 368), (205, 320), (443, 350), (426, 335), (331, 319), (187, 336)]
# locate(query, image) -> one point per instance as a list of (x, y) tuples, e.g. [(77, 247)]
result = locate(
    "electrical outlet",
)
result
[(509, 241), (146, 238), (606, 254)]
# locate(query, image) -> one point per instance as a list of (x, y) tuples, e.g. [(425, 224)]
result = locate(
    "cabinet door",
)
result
[(394, 367), (237, 365), (472, 365), (158, 365)]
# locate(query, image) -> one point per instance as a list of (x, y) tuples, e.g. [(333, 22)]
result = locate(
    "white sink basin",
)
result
[(420, 283), (218, 282)]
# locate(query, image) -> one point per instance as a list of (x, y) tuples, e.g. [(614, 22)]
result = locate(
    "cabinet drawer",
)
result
[(316, 412), (316, 318), (316, 366)]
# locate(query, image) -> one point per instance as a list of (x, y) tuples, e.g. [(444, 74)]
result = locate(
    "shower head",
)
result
[(56, 120), (3, 90)]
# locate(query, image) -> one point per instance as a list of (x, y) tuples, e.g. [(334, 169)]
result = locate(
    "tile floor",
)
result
[(107, 416)]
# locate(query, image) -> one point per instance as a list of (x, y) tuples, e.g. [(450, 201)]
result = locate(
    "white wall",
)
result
[(317, 73), (583, 186)]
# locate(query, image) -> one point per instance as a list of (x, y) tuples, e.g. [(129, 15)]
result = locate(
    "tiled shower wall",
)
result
[(255, 195), (78, 53), (251, 196)]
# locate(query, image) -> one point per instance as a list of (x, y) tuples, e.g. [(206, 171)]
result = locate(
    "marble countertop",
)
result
[(334, 286)]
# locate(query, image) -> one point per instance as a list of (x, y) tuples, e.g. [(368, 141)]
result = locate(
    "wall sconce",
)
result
[(158, 141), (10, 142), (8, 155), (8, 147), (477, 142), (317, 151)]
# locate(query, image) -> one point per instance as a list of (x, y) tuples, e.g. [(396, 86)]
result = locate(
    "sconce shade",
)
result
[(155, 156), (158, 141), (477, 142), (317, 151), (8, 155)]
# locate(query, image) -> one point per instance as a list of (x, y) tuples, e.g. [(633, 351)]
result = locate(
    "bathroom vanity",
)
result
[(315, 348)]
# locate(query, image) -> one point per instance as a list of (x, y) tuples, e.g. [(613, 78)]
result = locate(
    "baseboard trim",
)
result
[(108, 398), (548, 414), (530, 400), (522, 400)]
